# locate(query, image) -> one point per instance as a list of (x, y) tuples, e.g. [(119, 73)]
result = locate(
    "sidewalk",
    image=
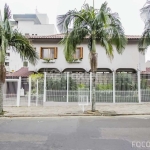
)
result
[(75, 110)]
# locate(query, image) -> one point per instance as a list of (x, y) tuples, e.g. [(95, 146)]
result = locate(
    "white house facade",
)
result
[(51, 56)]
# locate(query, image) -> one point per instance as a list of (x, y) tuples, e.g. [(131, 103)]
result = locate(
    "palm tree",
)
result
[(99, 25), (144, 41), (17, 42)]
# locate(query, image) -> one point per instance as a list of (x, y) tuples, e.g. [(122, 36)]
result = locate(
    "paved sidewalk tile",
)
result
[(119, 109)]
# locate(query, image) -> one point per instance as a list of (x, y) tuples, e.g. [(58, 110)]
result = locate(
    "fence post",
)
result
[(90, 87), (67, 87), (18, 92), (114, 90), (44, 97), (29, 95), (37, 91), (139, 85)]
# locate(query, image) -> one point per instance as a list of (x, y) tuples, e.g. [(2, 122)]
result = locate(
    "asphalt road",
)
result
[(75, 133)]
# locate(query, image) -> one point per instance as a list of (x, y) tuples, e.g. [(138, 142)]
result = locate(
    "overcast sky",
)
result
[(129, 10)]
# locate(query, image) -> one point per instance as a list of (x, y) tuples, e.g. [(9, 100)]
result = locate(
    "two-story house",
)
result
[(51, 56)]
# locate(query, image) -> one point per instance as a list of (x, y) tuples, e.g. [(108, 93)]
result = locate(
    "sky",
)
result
[(128, 10)]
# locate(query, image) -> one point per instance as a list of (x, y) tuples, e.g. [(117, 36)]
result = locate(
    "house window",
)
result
[(79, 53), (6, 63), (26, 34), (25, 64), (7, 54), (48, 53)]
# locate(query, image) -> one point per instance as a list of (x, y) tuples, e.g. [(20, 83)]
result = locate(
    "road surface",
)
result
[(75, 133)]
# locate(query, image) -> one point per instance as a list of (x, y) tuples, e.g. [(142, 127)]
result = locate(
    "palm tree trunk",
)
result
[(93, 92), (1, 97), (93, 69), (2, 81)]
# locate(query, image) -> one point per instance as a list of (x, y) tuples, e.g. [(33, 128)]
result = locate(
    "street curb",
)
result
[(65, 115)]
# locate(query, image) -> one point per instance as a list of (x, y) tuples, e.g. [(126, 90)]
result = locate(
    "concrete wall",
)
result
[(39, 29), (129, 59)]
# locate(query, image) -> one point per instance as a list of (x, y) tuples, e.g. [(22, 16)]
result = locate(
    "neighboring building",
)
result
[(148, 64), (147, 72), (29, 25), (48, 48), (12, 86)]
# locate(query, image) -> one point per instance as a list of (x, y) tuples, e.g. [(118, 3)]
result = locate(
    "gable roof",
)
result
[(22, 72), (60, 36)]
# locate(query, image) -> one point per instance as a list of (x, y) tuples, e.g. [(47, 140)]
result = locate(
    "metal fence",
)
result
[(145, 87), (72, 87), (10, 100), (126, 88)]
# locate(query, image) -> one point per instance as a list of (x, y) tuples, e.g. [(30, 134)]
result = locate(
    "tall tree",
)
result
[(17, 42), (100, 26), (144, 41)]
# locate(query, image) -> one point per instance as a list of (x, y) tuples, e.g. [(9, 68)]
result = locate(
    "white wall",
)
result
[(43, 18), (15, 62), (129, 58), (39, 29)]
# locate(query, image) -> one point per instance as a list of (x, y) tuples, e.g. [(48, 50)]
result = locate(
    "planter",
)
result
[(49, 61), (76, 61)]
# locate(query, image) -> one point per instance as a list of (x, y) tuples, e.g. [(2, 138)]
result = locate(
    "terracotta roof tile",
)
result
[(22, 72), (60, 36)]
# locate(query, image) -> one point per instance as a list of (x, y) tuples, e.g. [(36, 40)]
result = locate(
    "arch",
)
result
[(74, 70), (103, 70), (128, 70), (54, 70)]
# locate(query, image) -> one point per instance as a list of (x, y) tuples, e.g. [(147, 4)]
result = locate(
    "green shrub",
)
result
[(81, 86), (104, 87), (34, 78), (60, 84), (125, 82)]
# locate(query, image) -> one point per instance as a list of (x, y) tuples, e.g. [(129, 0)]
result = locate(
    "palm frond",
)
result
[(71, 40), (22, 45), (102, 16), (7, 13), (108, 47), (63, 21), (118, 39), (144, 42), (145, 11)]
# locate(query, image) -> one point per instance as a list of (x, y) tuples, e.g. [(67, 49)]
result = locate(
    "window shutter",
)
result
[(81, 52), (74, 56), (55, 53), (41, 53)]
